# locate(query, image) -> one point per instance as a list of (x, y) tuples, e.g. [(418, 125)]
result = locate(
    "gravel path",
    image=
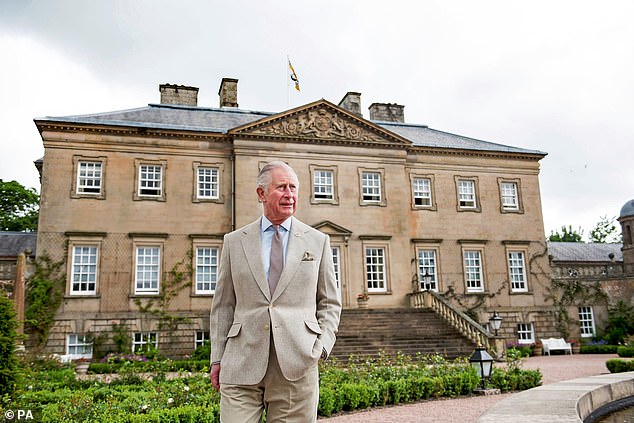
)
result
[(467, 409)]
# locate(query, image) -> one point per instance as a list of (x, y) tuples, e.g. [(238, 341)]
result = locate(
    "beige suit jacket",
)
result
[(301, 316)]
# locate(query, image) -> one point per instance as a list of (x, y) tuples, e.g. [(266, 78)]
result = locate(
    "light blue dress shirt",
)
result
[(267, 231)]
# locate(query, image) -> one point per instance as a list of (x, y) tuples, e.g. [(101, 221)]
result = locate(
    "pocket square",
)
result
[(308, 256)]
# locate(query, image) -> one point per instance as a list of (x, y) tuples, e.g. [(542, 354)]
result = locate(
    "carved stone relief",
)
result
[(318, 123)]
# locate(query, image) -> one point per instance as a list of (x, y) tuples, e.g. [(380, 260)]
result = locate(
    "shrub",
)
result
[(8, 334), (202, 352), (616, 365), (624, 351), (598, 348)]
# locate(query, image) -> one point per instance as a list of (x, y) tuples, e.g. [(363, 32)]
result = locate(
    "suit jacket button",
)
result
[(266, 327)]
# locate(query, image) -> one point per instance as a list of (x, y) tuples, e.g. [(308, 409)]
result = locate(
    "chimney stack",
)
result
[(352, 103), (228, 92), (179, 94), (387, 112)]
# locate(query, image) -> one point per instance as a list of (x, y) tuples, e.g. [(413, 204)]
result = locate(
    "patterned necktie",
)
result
[(277, 259)]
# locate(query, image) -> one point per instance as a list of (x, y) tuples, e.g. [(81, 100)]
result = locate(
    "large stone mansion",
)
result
[(136, 203)]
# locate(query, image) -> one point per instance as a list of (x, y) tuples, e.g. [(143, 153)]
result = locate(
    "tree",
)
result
[(605, 231), (19, 207), (567, 235), (8, 334)]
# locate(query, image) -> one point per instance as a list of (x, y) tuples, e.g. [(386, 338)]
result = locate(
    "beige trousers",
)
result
[(283, 400)]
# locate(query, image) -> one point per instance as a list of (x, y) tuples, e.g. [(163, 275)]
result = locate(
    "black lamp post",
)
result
[(482, 362), (495, 322)]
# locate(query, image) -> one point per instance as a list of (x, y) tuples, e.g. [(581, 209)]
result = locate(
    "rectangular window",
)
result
[(323, 184), (371, 187), (208, 186), (79, 346), (148, 259), (150, 180), (336, 259), (525, 333), (466, 194), (517, 271), (375, 269), (473, 270), (83, 277), (510, 198), (586, 322), (421, 188), (144, 341), (201, 338), (206, 269), (427, 270), (89, 178)]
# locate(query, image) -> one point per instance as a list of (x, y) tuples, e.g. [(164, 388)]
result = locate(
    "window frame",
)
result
[(197, 246), (525, 328), (519, 207), (476, 194), (432, 196), (435, 283), (81, 341), (481, 269), (382, 200), (313, 169), (135, 280), (583, 312), (138, 195), (146, 338), (75, 186), (510, 267), (72, 250), (384, 272), (196, 197), (200, 337)]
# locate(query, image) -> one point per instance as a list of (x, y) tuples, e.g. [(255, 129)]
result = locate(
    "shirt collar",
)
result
[(266, 223)]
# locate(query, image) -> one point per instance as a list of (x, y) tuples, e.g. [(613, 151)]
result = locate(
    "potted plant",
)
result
[(362, 300), (537, 348), (576, 346), (81, 366)]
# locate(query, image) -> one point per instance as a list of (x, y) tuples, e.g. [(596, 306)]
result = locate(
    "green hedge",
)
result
[(616, 365), (624, 351), (58, 396), (150, 366), (598, 349)]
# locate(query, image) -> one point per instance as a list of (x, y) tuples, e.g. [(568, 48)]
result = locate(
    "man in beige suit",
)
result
[(275, 311)]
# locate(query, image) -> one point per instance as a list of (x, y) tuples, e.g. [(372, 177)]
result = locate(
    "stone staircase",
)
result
[(367, 332)]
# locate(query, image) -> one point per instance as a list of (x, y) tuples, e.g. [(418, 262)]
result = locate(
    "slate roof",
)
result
[(582, 252), (221, 120), (14, 243)]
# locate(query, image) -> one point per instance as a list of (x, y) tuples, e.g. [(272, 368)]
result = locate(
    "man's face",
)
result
[(280, 198)]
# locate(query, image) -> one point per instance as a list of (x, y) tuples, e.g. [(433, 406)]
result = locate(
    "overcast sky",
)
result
[(555, 76)]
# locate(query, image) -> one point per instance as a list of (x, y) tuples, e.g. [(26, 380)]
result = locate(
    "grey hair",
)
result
[(264, 177)]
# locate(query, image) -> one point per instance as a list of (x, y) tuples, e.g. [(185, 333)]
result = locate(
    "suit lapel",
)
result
[(294, 255), (252, 246)]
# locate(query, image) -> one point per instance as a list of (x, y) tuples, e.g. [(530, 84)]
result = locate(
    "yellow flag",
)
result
[(293, 75)]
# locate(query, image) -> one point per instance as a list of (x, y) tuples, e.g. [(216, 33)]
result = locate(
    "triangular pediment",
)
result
[(320, 121), (331, 228)]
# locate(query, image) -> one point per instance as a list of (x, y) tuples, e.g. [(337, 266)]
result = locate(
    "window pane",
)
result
[(323, 185), (466, 193), (517, 271), (421, 188), (84, 270), (89, 178), (427, 270), (525, 333), (509, 196), (473, 270), (207, 182), (206, 269), (147, 269), (371, 187), (586, 322), (375, 268), (150, 180)]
